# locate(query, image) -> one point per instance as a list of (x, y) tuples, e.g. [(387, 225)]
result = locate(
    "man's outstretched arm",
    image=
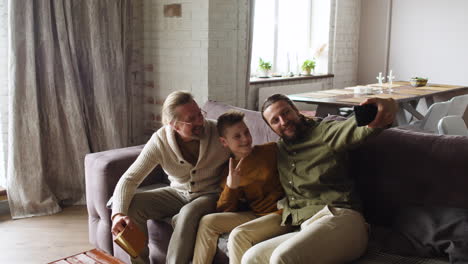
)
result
[(386, 111)]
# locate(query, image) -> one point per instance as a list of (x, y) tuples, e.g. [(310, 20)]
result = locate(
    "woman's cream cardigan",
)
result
[(162, 149)]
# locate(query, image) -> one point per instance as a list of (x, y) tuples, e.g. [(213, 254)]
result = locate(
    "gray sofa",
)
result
[(395, 172)]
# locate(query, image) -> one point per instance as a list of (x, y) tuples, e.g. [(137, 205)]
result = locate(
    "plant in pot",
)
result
[(308, 66), (418, 81), (264, 68)]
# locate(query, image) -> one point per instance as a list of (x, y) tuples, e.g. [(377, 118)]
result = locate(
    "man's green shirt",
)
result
[(314, 170)]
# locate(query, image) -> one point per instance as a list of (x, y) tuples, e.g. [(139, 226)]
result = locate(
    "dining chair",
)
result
[(458, 105), (452, 125), (429, 124)]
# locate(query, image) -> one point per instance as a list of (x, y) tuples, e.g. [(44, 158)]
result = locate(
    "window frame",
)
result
[(275, 60)]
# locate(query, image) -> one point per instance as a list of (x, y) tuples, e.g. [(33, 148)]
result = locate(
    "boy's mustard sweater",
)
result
[(259, 187)]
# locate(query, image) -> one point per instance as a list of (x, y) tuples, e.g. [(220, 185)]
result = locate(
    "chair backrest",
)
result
[(434, 114), (452, 125), (458, 105)]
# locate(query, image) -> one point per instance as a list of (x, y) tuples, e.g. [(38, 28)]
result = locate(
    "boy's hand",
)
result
[(233, 178)]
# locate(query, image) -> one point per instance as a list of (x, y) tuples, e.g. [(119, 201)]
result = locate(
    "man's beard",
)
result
[(299, 131)]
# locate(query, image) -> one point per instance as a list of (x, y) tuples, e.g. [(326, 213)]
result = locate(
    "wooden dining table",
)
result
[(407, 97)]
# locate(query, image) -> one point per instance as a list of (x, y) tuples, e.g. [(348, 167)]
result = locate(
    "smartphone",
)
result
[(365, 114)]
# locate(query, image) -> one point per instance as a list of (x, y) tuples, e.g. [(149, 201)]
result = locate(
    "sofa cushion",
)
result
[(375, 254), (261, 132), (429, 232)]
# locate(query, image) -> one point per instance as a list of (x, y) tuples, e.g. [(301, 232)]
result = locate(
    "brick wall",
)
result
[(175, 55), (346, 41), (202, 51), (227, 51), (3, 88)]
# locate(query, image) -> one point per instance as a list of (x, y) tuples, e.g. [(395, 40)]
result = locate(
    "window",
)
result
[(286, 33)]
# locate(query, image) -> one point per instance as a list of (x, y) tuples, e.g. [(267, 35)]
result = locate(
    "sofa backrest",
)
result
[(261, 132), (401, 168)]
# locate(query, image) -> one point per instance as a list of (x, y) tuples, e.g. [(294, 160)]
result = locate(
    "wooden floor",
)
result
[(3, 193), (44, 239)]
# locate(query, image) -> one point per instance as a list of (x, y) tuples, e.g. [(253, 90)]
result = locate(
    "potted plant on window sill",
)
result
[(264, 68), (308, 66)]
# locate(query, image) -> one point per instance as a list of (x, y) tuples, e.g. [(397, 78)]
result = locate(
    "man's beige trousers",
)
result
[(333, 235), (247, 230)]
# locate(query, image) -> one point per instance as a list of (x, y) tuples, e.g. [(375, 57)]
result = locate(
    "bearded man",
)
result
[(321, 203)]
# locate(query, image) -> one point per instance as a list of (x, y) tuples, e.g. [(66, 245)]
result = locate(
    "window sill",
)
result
[(256, 80)]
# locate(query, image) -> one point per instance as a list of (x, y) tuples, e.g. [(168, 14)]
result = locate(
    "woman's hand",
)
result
[(119, 222)]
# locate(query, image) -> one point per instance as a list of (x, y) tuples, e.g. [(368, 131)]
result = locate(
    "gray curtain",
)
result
[(69, 96)]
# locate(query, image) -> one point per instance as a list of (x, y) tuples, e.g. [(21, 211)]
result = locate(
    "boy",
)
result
[(252, 179)]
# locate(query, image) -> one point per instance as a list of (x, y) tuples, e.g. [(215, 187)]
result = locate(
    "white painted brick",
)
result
[(196, 60), (200, 34), (346, 42), (190, 43), (200, 24), (199, 14), (181, 24), (207, 43), (160, 25), (200, 4), (218, 35), (228, 44), (178, 35)]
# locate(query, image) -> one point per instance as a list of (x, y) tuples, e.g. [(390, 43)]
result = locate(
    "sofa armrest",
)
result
[(102, 172)]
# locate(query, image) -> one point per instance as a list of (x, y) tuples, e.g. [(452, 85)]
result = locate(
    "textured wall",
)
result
[(227, 52), (373, 39), (202, 51), (431, 42), (346, 42), (175, 55)]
